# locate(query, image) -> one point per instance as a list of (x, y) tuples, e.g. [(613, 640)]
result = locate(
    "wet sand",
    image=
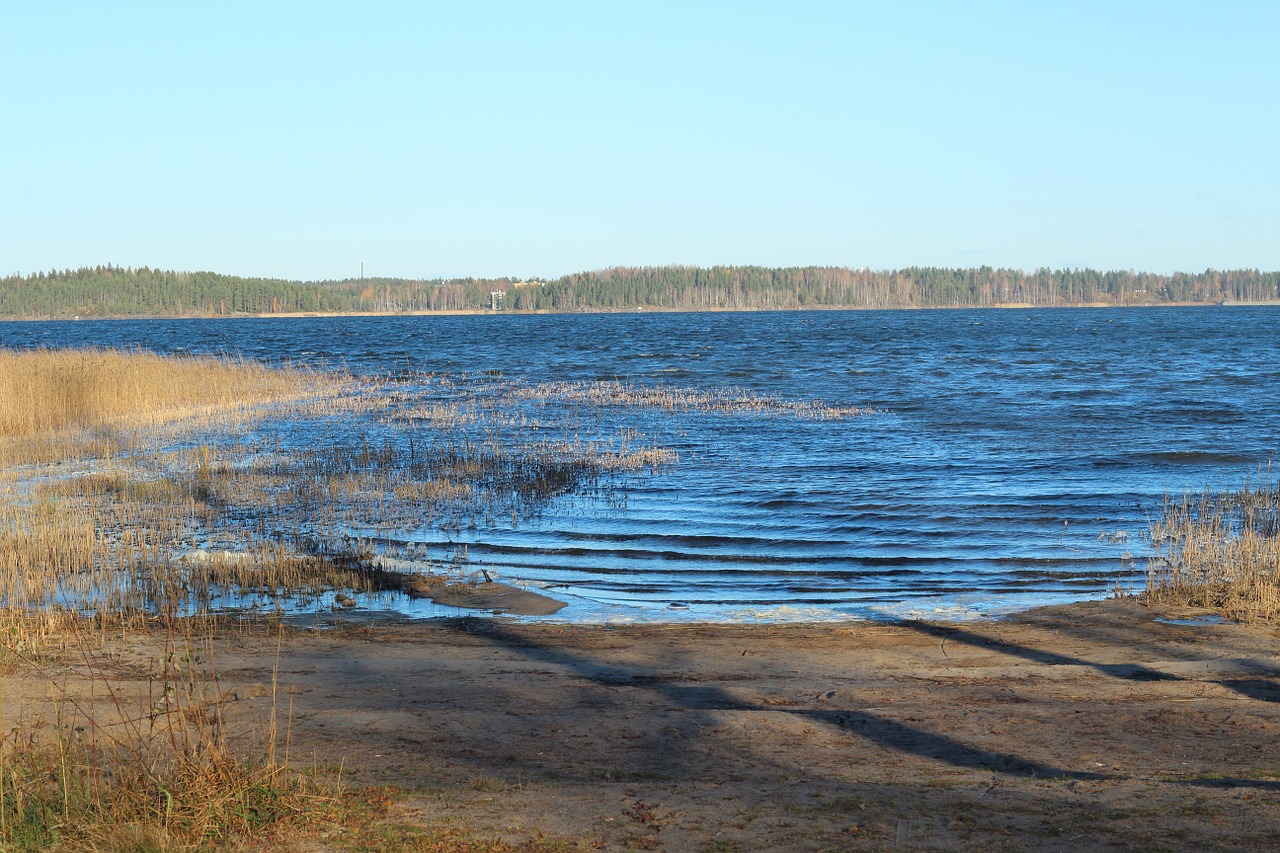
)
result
[(498, 597), (1089, 726)]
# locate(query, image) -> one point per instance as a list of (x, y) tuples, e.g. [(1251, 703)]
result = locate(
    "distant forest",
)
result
[(110, 291)]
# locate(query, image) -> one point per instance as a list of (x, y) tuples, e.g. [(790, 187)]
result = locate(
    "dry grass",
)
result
[(166, 761), (142, 769), (90, 524), (1220, 551), (129, 761), (55, 404), (49, 390)]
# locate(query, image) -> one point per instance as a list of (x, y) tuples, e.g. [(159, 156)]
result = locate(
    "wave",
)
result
[(1194, 457)]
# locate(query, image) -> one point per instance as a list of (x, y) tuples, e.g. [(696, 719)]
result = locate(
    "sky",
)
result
[(420, 139)]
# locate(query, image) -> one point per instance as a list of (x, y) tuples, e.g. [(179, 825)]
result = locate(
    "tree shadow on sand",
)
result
[(853, 722), (1254, 688)]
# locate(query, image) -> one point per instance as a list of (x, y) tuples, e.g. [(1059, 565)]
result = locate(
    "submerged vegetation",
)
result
[(135, 486), (609, 394), (1220, 551), (109, 291)]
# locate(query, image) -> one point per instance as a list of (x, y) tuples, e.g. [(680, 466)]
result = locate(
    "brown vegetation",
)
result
[(48, 397), (1220, 551)]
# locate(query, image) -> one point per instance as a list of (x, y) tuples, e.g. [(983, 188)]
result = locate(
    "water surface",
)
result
[(1014, 457)]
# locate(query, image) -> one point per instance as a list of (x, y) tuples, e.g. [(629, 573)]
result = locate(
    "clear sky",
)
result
[(422, 139)]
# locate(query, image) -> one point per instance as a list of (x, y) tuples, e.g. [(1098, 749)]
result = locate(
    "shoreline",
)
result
[(533, 604)]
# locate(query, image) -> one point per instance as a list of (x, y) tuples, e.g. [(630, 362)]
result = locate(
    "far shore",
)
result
[(469, 312)]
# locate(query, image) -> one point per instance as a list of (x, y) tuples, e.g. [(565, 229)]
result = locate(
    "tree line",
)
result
[(111, 291)]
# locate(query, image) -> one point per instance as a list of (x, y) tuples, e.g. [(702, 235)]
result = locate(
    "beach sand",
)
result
[(1089, 726)]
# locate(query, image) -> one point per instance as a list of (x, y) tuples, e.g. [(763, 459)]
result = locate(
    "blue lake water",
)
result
[(1014, 457)]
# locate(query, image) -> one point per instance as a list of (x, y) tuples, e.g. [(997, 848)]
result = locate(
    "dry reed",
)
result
[(54, 403), (1220, 551)]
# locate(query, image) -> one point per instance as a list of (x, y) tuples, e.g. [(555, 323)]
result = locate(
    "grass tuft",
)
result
[(1219, 551), (143, 766)]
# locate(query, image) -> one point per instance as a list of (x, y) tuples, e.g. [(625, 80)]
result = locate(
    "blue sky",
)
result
[(301, 140)]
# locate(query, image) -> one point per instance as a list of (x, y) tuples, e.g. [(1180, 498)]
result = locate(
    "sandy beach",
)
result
[(1090, 726)]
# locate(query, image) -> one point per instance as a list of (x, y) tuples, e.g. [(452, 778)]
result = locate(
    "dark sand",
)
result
[(1075, 728)]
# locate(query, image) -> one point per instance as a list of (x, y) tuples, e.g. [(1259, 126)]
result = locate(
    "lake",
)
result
[(1012, 457)]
